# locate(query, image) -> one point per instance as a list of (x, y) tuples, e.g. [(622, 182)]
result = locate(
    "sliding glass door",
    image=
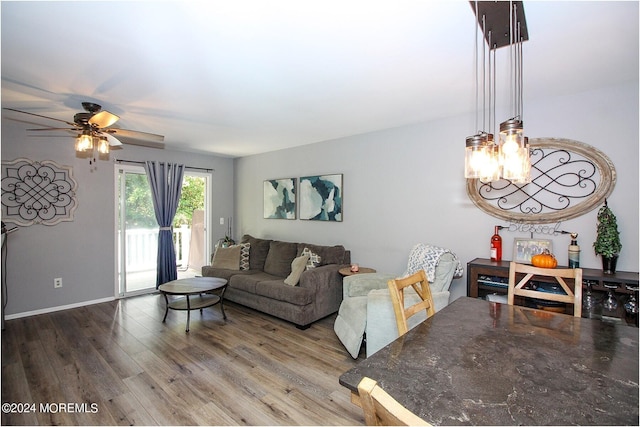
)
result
[(137, 229)]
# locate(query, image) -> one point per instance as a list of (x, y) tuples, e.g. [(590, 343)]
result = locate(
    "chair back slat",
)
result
[(381, 409), (573, 294), (418, 281)]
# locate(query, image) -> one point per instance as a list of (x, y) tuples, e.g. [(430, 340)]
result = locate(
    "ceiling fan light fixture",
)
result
[(103, 145), (84, 142), (93, 137)]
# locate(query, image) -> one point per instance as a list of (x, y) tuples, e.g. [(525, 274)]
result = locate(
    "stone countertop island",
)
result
[(482, 363)]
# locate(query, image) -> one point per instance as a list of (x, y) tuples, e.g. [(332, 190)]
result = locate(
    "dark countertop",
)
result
[(478, 363)]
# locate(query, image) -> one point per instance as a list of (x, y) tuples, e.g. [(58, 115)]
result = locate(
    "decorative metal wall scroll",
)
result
[(37, 192), (568, 179)]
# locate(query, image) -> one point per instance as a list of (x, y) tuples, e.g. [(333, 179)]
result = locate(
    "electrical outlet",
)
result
[(57, 282), (221, 221)]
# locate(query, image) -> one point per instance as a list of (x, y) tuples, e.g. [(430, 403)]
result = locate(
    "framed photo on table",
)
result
[(524, 249)]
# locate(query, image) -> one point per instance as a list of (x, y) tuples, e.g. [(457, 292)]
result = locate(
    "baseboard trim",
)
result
[(54, 309)]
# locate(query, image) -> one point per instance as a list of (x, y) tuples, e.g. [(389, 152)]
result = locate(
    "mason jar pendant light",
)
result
[(508, 157), (514, 152), (479, 151)]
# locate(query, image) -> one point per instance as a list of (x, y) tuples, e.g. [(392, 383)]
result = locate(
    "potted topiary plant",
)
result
[(607, 242)]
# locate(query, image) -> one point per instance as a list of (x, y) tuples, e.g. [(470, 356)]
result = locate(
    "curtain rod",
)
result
[(137, 162)]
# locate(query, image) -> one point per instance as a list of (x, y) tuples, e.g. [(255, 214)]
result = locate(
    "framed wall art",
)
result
[(280, 198), (321, 197), (524, 249), (36, 192)]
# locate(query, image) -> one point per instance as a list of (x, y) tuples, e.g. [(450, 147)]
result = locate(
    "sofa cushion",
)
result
[(298, 265), (259, 248), (278, 290), (227, 258), (223, 273), (249, 282), (328, 254), (279, 258)]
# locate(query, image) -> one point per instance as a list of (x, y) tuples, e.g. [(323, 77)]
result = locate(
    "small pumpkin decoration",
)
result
[(544, 260)]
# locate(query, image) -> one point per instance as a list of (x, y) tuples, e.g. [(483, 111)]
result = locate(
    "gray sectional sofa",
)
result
[(260, 283)]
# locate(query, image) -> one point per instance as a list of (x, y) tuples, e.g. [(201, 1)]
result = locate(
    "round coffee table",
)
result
[(197, 292)]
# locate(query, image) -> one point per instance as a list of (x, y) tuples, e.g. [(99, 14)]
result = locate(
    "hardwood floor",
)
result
[(117, 364)]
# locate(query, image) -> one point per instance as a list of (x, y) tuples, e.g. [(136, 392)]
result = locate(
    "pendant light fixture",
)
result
[(502, 24), (479, 147)]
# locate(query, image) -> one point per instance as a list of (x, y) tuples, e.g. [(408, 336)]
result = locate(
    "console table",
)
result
[(486, 277)]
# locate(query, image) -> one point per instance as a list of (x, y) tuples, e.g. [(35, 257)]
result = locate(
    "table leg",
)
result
[(188, 312), (166, 310), (224, 316)]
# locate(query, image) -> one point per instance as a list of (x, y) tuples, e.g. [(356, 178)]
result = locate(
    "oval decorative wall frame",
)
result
[(568, 179)]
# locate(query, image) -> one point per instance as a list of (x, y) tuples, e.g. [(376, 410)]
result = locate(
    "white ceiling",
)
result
[(239, 77)]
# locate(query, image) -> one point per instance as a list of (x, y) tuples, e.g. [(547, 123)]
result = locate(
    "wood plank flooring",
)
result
[(116, 363)]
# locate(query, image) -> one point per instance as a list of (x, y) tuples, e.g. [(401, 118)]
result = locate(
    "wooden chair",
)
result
[(573, 296), (380, 409), (418, 281)]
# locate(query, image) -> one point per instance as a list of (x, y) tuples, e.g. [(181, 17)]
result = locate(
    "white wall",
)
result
[(82, 252), (401, 186), (406, 185)]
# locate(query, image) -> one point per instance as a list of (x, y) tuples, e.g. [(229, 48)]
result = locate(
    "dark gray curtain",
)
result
[(165, 180)]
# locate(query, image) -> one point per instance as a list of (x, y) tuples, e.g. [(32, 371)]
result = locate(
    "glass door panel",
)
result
[(137, 229)]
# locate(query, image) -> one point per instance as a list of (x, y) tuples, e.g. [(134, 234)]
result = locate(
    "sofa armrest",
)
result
[(324, 276), (326, 284), (359, 285)]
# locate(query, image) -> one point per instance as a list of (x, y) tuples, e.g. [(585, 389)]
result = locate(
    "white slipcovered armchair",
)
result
[(366, 308)]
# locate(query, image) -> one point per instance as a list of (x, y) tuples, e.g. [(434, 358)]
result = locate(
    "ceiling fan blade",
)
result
[(41, 129), (103, 119), (141, 143), (134, 134), (113, 141), (39, 115)]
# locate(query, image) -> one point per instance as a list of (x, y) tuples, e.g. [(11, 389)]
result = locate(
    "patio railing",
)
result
[(142, 248)]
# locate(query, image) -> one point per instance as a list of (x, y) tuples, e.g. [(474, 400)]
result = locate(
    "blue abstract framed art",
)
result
[(321, 197), (280, 198)]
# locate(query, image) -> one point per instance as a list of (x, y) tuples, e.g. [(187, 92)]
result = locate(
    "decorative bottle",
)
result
[(574, 252), (496, 245)]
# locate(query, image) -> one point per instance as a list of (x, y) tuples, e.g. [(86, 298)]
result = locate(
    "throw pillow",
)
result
[(314, 258), (245, 249), (297, 268), (259, 251), (227, 258)]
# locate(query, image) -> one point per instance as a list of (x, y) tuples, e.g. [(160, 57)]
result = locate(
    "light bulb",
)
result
[(84, 143), (510, 145), (103, 145)]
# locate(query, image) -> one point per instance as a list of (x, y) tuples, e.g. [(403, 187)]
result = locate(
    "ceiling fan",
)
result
[(93, 132)]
